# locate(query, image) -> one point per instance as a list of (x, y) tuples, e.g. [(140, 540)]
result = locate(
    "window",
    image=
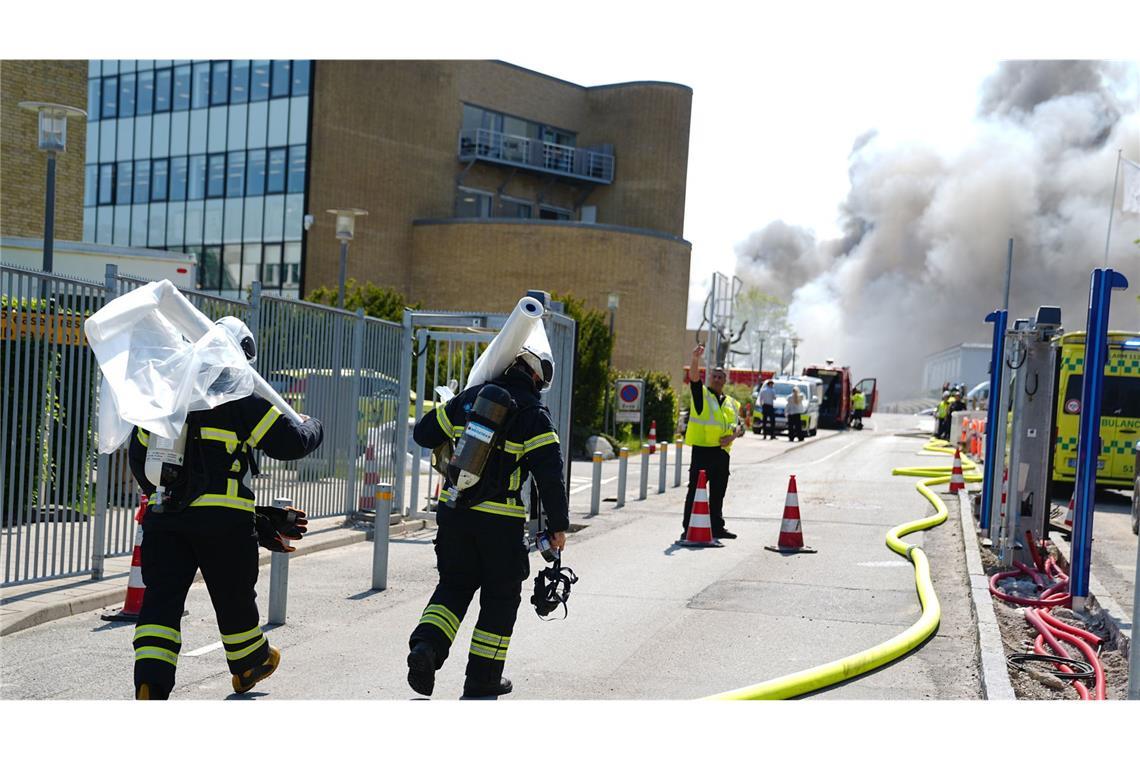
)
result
[(239, 82), (231, 267), (278, 123), (219, 83), (142, 182), (514, 209), (93, 87), (162, 79), (90, 185), (110, 97), (215, 175), (209, 268), (300, 78), (145, 104), (250, 264), (201, 92), (255, 173), (160, 135), (235, 174), (197, 178), (275, 175), (296, 181), (121, 235), (271, 266), (236, 127), (178, 167), (124, 183), (549, 212), (182, 88), (142, 137), (126, 95), (281, 79), (106, 184), (472, 203), (291, 266), (259, 81), (159, 171), (1120, 395)]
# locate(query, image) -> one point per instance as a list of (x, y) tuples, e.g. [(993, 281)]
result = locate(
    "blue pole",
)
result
[(1104, 281), (993, 419)]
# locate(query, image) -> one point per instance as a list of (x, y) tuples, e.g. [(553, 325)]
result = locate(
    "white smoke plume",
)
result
[(923, 255)]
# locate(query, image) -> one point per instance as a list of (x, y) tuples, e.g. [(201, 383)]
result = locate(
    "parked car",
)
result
[(812, 390)]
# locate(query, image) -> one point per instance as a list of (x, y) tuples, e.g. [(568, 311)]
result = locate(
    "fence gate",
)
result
[(440, 348)]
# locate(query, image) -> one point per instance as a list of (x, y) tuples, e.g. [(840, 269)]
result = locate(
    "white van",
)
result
[(812, 390)]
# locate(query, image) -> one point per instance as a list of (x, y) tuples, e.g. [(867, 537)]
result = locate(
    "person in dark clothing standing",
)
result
[(767, 400), (208, 522), (480, 544), (713, 426)]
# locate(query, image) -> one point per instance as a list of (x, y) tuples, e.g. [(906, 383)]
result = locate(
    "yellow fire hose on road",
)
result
[(821, 676)]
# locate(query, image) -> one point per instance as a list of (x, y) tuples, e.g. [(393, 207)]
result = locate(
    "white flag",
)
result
[(1131, 200)]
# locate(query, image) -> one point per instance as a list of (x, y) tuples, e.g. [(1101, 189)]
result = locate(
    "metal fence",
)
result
[(66, 508)]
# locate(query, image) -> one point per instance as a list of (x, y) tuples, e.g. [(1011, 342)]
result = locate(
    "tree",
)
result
[(377, 301), (595, 346), (767, 317)]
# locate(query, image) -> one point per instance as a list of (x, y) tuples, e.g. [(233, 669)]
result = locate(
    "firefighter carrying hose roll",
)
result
[(208, 521), (505, 433)]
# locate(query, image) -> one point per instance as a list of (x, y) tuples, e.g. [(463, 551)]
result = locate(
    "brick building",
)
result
[(23, 171), (481, 179)]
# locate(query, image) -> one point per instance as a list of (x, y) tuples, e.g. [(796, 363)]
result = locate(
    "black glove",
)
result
[(290, 522), (275, 524)]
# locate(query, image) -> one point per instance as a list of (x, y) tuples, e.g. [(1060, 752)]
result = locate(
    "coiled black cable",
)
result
[(1082, 671)]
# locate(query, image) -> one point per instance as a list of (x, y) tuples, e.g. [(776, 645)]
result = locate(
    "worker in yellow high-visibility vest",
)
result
[(713, 426)]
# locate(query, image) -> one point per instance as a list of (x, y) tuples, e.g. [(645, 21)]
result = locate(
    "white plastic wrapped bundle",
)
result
[(152, 375), (521, 325)]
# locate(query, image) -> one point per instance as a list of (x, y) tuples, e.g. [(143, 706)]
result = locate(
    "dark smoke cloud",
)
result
[(922, 256)]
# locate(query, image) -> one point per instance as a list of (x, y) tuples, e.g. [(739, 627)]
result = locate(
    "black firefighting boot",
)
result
[(475, 689), (245, 680), (421, 668)]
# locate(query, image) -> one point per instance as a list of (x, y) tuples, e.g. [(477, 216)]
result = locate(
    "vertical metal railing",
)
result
[(66, 508), (46, 440)]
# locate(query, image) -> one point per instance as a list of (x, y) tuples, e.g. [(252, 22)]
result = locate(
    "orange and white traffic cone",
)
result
[(653, 437), (791, 537), (957, 482), (135, 586), (700, 523), (1069, 513)]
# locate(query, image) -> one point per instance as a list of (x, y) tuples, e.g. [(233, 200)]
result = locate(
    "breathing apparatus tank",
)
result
[(485, 426), (165, 458)]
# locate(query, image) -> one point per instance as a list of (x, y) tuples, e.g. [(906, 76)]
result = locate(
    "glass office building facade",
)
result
[(204, 157)]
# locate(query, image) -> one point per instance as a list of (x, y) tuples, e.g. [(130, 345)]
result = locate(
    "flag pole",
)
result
[(1112, 206)]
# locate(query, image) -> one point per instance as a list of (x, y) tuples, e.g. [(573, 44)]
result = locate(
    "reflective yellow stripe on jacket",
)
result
[(714, 422), (229, 499)]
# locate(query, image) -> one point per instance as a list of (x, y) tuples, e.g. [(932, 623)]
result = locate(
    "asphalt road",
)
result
[(647, 621)]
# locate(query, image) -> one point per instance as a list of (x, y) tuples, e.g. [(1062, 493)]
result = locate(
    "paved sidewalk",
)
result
[(31, 604)]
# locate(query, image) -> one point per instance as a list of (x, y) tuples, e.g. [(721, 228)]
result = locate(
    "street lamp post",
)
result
[(609, 423), (795, 342), (52, 140), (783, 355), (345, 225)]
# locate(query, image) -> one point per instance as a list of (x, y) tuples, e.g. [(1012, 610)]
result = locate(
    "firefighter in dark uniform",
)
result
[(208, 522), (480, 544)]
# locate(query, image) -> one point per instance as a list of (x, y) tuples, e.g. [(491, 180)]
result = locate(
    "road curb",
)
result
[(67, 602), (995, 676)]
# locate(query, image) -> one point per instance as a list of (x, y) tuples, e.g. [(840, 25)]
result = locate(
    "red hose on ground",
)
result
[(1022, 600), (1046, 634), (1081, 644)]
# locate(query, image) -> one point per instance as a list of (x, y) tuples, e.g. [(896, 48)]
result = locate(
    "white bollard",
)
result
[(380, 528), (677, 469), (279, 576), (664, 446), (596, 488), (644, 471), (623, 469)]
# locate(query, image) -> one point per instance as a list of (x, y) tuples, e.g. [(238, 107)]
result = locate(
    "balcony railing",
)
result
[(513, 150)]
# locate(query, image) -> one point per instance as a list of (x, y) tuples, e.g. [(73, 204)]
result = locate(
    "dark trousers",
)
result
[(714, 461), (768, 420), (795, 427), (221, 542), (857, 419), (476, 551)]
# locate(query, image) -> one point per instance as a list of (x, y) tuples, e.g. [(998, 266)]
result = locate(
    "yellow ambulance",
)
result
[(1119, 409)]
